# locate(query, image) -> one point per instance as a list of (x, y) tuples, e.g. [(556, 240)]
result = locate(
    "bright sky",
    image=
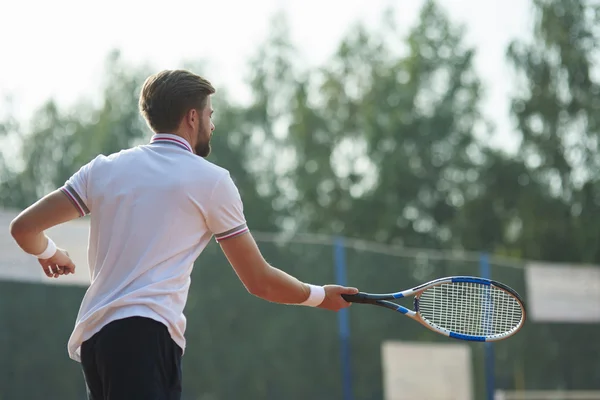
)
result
[(56, 49)]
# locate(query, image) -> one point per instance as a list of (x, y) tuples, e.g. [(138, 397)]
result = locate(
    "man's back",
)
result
[(149, 208)]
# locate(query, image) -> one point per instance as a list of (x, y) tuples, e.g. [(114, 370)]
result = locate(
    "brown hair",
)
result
[(168, 95)]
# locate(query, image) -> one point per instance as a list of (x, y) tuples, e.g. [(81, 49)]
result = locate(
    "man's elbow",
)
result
[(258, 289), (19, 228), (260, 285)]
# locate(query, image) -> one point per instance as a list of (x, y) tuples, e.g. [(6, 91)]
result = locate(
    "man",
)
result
[(153, 210)]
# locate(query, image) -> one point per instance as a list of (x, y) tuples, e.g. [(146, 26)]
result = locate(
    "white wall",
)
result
[(17, 265)]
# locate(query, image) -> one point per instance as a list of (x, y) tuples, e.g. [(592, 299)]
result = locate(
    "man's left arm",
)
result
[(28, 227), (64, 204), (28, 231)]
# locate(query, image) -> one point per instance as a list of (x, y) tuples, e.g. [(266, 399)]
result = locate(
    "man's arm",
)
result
[(272, 284), (225, 219), (28, 230)]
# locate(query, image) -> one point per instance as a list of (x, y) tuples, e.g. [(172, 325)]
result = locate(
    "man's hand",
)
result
[(333, 297), (59, 264)]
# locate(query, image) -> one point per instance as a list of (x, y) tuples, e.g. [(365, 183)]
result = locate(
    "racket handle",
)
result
[(359, 297)]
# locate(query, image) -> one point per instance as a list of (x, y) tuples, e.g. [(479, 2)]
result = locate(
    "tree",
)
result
[(557, 114), (543, 201), (61, 141), (389, 133)]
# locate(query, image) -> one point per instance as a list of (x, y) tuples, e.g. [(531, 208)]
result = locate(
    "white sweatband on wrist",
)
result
[(49, 252), (316, 296)]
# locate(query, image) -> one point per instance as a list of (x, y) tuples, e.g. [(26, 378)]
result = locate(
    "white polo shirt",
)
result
[(153, 209)]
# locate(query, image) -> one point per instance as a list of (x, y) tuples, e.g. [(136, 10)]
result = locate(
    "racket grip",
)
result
[(359, 297)]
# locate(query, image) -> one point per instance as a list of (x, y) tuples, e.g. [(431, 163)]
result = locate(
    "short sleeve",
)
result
[(225, 211), (76, 189)]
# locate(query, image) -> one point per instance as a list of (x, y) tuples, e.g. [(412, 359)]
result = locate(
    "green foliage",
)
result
[(542, 203), (389, 123), (374, 129)]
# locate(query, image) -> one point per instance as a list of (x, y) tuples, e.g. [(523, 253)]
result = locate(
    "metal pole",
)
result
[(343, 320), (485, 270)]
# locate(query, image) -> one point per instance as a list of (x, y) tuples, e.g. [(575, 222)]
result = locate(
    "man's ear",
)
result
[(191, 117)]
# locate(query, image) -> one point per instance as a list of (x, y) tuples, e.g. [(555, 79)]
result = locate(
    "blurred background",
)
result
[(377, 144)]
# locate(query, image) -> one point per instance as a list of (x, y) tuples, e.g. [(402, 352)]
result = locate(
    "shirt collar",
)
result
[(172, 139)]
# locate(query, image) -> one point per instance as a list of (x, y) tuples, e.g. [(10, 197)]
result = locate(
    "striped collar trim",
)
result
[(173, 139)]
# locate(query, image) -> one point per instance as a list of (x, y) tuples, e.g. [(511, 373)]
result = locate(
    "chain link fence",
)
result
[(242, 347)]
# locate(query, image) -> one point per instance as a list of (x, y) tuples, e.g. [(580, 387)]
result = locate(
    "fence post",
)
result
[(484, 268), (343, 320)]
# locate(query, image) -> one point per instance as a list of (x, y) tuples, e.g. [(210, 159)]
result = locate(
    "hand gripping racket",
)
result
[(461, 307)]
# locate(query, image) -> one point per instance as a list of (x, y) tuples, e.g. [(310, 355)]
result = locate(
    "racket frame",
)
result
[(383, 300)]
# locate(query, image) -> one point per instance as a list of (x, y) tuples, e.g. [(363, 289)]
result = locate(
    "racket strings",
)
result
[(470, 309)]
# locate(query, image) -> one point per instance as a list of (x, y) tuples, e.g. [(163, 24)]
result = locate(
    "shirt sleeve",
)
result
[(225, 211), (76, 189)]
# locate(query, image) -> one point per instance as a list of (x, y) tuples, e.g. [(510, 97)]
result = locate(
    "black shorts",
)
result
[(132, 358)]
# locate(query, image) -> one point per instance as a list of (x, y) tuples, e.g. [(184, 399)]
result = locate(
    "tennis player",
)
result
[(153, 208)]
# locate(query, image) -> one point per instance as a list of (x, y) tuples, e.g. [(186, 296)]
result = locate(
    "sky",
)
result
[(57, 49)]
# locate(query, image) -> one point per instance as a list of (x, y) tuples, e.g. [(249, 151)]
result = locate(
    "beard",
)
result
[(202, 148)]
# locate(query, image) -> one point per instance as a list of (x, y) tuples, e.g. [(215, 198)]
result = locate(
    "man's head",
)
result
[(178, 102)]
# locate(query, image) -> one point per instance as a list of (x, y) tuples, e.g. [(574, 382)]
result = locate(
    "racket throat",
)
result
[(397, 307), (407, 312)]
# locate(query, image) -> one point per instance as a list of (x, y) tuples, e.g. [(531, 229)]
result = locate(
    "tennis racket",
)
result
[(461, 307)]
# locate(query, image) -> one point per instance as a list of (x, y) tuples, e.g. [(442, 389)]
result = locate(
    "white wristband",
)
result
[(49, 252), (316, 296)]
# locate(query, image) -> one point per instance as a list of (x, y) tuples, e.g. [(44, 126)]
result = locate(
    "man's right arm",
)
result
[(272, 284), (225, 218)]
